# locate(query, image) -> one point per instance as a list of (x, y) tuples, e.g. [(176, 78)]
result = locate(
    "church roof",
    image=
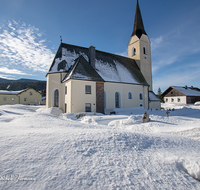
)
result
[(83, 70), (75, 61), (138, 28)]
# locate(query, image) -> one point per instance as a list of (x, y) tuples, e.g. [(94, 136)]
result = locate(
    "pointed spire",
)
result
[(138, 29)]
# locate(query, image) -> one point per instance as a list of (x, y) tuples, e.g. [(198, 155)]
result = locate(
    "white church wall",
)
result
[(68, 96), (79, 98), (124, 89), (53, 83)]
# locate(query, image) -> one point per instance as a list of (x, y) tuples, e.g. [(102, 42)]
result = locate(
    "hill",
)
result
[(2, 80)]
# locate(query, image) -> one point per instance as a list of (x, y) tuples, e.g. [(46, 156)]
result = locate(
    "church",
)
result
[(84, 79)]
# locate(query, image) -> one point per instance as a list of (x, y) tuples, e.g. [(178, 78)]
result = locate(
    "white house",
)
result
[(87, 80), (181, 95)]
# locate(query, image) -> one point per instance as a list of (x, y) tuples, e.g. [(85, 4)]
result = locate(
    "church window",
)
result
[(145, 50), (117, 100), (141, 96), (141, 105), (65, 89), (129, 95), (56, 98), (88, 107), (87, 89), (133, 51)]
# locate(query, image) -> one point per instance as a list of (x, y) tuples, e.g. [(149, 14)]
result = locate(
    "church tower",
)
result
[(139, 47)]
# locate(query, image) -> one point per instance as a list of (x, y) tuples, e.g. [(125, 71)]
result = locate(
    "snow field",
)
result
[(61, 152)]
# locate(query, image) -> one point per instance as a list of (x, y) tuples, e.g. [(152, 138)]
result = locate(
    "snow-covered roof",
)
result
[(153, 97), (75, 61), (11, 92), (188, 91)]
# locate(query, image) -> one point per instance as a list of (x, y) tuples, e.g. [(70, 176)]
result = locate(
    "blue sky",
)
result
[(30, 35)]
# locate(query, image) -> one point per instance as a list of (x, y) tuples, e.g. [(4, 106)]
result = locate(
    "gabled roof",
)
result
[(82, 70), (187, 91), (138, 28), (74, 60)]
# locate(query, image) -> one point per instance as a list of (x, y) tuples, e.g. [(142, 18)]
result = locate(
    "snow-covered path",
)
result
[(44, 151)]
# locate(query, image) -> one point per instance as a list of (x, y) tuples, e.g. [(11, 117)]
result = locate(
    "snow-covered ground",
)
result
[(45, 149)]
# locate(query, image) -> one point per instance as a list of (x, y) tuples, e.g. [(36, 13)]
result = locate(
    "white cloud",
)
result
[(188, 77), (22, 44), (125, 53), (6, 77), (156, 42), (12, 71)]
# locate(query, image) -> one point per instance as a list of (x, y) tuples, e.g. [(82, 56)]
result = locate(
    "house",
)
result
[(181, 95), (26, 96), (87, 80)]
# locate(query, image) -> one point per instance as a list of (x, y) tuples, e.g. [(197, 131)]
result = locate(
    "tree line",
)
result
[(15, 86)]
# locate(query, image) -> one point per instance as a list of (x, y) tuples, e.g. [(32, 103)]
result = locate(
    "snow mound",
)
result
[(53, 110), (191, 167), (2, 112), (131, 120), (71, 116), (89, 120)]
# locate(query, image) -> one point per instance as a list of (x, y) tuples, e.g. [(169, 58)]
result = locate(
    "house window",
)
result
[(4, 99), (141, 96), (172, 92), (56, 98), (141, 105), (30, 93), (166, 99), (130, 95), (133, 51), (13, 99), (117, 100), (172, 100), (179, 100), (87, 89), (65, 89), (145, 50), (25, 99), (88, 107)]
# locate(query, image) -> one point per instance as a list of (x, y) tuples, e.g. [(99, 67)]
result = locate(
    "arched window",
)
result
[(145, 50), (56, 98), (117, 100), (141, 96), (133, 51), (130, 95)]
